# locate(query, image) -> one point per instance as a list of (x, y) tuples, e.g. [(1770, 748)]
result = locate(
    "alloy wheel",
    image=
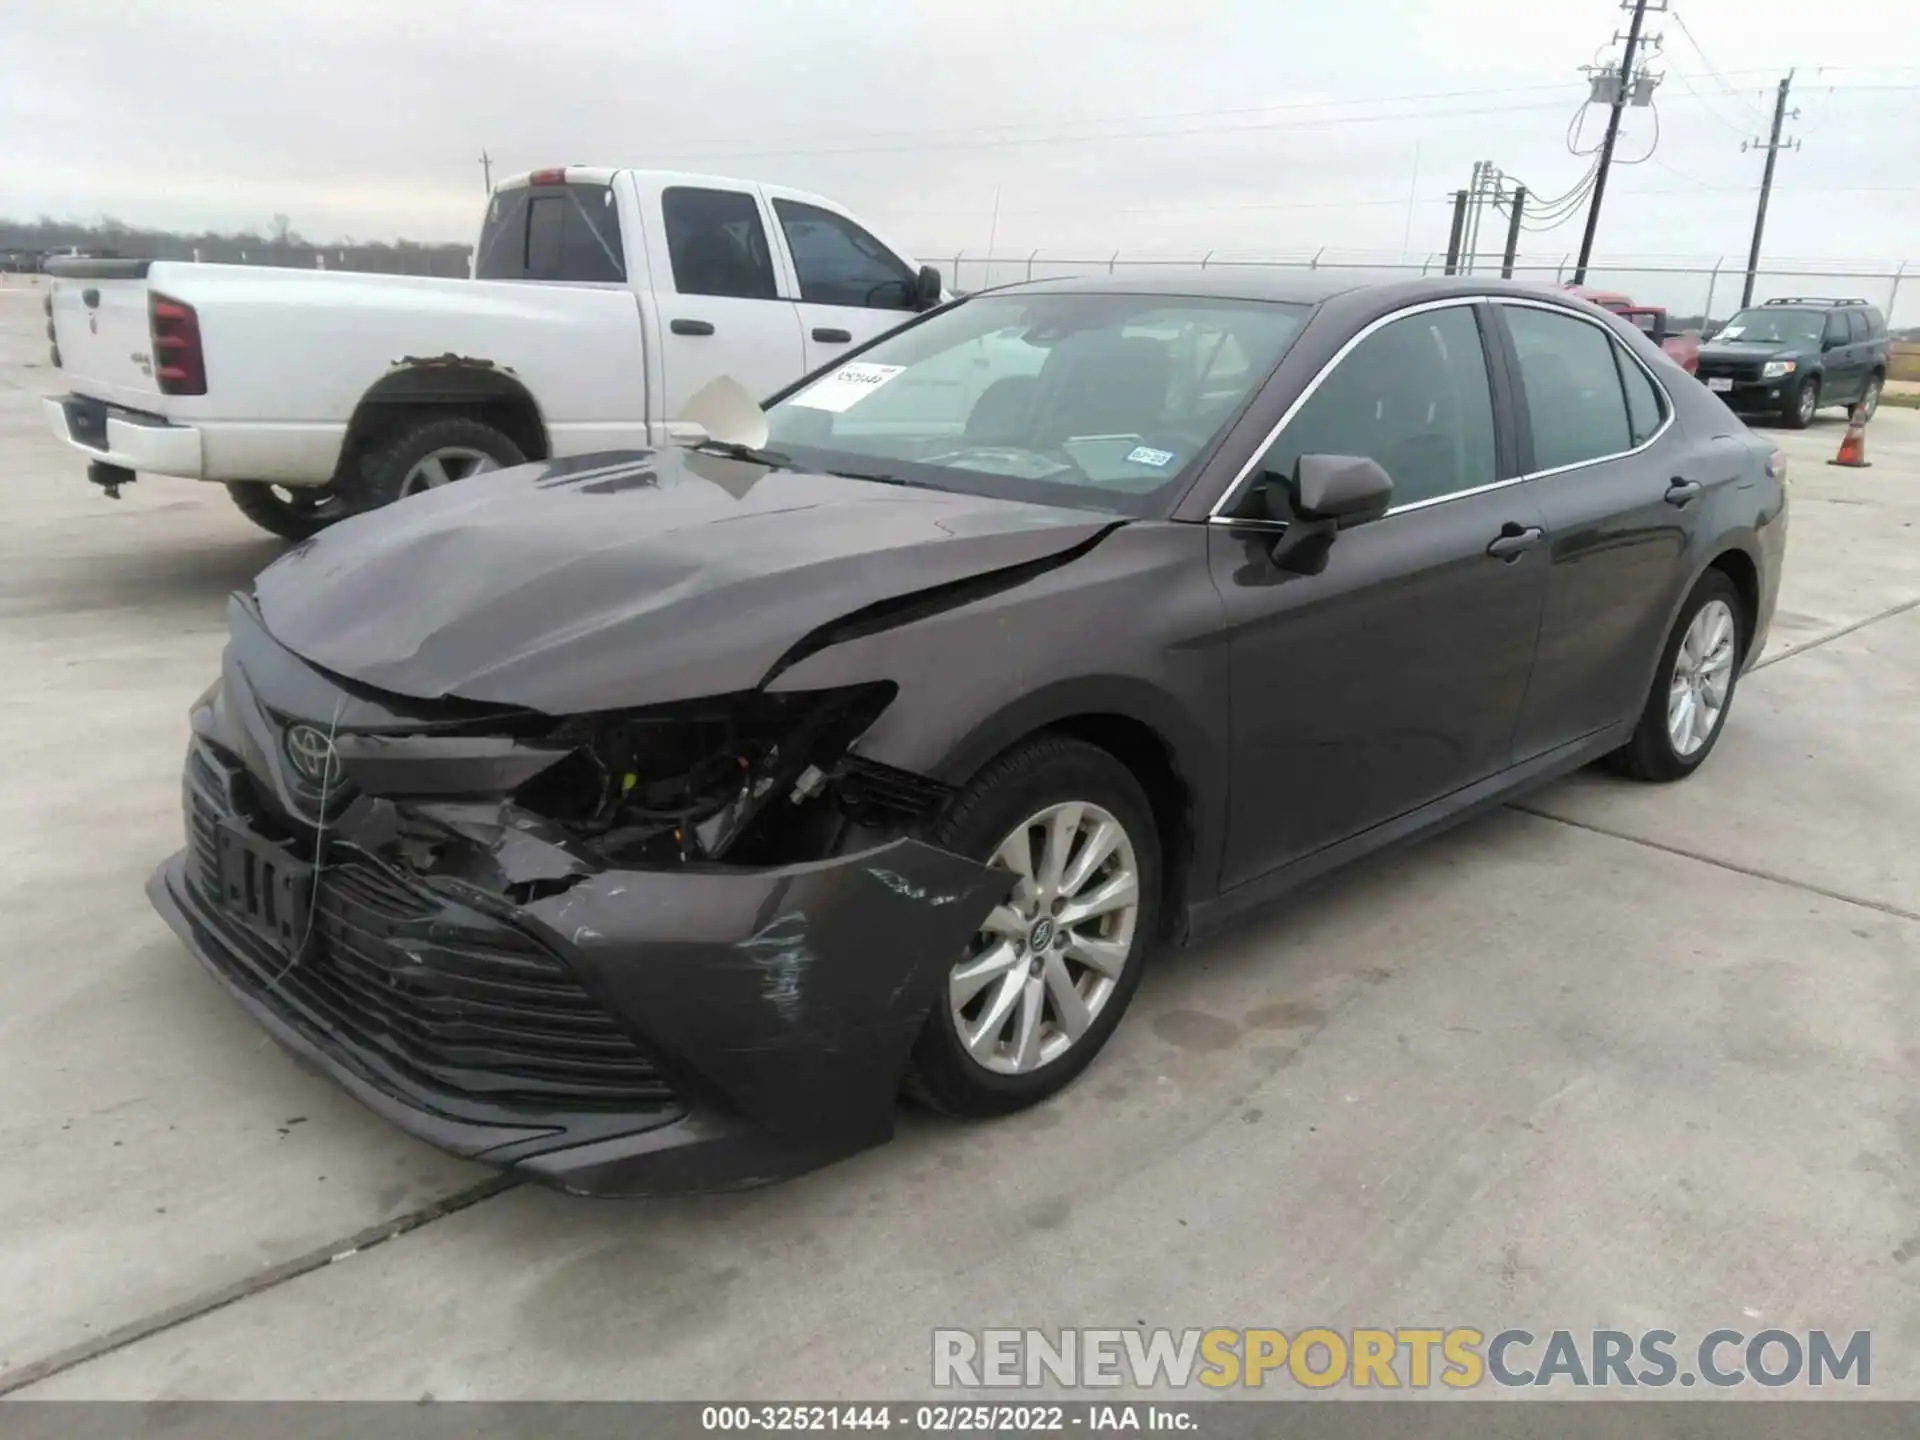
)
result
[(1702, 677), (1809, 402), (1870, 402), (443, 467), (1045, 963)]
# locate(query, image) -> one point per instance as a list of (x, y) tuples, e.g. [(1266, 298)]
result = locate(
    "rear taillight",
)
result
[(178, 363), (1777, 466)]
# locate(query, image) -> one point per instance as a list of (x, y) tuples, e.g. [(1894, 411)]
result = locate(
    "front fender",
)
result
[(1072, 643)]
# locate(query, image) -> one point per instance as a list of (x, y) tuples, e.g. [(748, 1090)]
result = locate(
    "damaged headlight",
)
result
[(732, 776)]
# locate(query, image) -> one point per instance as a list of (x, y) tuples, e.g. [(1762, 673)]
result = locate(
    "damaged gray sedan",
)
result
[(650, 821)]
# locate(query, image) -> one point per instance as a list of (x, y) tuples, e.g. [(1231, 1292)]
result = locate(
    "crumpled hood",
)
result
[(607, 581)]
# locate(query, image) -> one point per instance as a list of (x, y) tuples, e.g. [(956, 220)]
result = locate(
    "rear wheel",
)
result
[(1693, 688), (293, 512), (431, 453), (1870, 398), (1051, 971)]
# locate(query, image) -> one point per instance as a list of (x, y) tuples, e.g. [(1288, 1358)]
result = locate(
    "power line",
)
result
[(1681, 21), (1305, 124)]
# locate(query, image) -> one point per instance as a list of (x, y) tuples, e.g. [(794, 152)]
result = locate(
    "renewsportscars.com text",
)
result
[(1415, 1358)]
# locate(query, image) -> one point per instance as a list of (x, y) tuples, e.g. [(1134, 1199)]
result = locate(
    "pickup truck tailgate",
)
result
[(101, 327)]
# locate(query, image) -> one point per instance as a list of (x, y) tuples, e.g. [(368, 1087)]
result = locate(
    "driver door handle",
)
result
[(826, 335), (1513, 541), (1682, 491)]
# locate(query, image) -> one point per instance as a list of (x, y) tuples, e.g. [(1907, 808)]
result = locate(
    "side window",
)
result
[(1414, 397), (1575, 404), (1858, 330), (1836, 333), (841, 264), (716, 243), (1876, 324), (1646, 406)]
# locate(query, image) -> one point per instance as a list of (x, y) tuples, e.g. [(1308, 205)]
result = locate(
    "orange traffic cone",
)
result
[(1853, 446)]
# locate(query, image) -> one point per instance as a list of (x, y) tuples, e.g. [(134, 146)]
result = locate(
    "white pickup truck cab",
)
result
[(600, 301)]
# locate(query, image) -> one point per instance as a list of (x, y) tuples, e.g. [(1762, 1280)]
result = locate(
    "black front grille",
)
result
[(1730, 369), (438, 996)]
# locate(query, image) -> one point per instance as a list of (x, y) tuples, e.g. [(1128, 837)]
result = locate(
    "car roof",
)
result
[(1298, 285)]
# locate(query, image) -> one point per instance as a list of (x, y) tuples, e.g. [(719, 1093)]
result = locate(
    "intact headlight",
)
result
[(1776, 368)]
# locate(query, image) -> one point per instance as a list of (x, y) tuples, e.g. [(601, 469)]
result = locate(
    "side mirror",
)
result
[(926, 288), (1326, 494), (1340, 490)]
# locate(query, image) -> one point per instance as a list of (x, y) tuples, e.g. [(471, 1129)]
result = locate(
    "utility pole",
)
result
[(486, 170), (1513, 231), (1766, 187), (1459, 228), (1623, 87)]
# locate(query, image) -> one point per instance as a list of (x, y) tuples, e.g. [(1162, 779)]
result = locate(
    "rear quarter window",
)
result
[(553, 232)]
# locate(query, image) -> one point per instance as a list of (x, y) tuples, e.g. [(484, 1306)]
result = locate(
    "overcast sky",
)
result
[(1171, 126)]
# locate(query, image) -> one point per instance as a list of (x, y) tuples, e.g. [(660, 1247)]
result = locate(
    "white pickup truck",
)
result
[(601, 300)]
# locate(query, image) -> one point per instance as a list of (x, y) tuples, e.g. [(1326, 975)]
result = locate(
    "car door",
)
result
[(1618, 488), (1394, 677), (1840, 361), (852, 287), (721, 312)]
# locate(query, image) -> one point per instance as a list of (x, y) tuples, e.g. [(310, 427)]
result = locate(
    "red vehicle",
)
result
[(1684, 348)]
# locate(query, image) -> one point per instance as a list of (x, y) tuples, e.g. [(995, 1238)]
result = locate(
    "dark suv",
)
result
[(1787, 358)]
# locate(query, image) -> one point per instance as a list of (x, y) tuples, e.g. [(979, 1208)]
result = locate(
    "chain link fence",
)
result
[(1693, 290)]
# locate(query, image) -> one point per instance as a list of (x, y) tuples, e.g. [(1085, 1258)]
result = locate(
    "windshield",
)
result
[(1096, 401), (1771, 326)]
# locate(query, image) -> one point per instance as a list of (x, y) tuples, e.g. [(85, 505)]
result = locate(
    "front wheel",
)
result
[(293, 512), (1044, 982), (1693, 688), (1806, 400)]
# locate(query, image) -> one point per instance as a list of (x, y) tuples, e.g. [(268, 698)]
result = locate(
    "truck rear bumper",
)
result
[(125, 438)]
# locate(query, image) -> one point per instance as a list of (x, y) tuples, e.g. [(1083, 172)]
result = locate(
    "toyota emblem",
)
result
[(312, 755)]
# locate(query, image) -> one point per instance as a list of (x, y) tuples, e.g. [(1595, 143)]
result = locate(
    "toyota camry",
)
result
[(654, 820)]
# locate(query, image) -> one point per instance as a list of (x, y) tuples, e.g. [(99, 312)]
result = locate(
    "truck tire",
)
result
[(434, 451), (293, 512)]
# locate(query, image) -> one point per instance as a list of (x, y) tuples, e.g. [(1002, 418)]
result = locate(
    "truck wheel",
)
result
[(432, 453), (293, 512)]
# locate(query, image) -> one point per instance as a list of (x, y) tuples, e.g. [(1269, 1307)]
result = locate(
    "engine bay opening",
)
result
[(750, 778)]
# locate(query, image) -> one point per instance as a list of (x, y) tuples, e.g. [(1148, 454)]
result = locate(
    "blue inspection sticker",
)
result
[(1147, 455)]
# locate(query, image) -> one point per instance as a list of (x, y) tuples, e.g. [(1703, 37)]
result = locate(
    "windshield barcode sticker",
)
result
[(1147, 455), (846, 387)]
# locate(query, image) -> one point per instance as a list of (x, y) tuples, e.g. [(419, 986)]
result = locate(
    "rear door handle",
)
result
[(1513, 541), (1684, 492), (828, 336), (692, 327)]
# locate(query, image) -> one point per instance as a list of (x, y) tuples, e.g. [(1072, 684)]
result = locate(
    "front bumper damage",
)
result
[(639, 1033), (512, 989)]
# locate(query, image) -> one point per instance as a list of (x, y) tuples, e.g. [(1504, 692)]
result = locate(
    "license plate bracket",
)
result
[(1719, 382), (265, 888)]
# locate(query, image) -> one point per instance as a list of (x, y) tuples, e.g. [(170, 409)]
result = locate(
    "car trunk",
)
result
[(102, 330)]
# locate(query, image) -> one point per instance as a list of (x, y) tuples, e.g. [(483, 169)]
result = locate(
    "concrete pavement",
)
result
[(1626, 1056)]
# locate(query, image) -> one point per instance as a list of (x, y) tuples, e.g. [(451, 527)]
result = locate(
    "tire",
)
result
[(1806, 400), (1652, 754), (291, 512), (1030, 781), (1870, 397), (404, 464)]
